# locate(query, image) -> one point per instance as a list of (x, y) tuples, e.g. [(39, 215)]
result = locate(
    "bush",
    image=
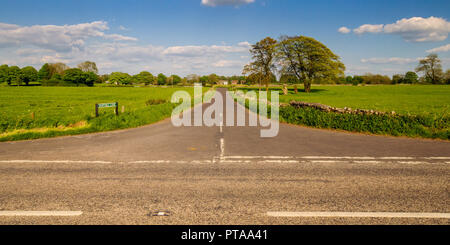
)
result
[(155, 102), (51, 83)]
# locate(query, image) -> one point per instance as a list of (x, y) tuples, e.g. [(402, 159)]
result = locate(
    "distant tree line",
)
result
[(269, 57)]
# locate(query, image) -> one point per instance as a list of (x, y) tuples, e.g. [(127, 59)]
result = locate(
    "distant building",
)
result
[(235, 82)]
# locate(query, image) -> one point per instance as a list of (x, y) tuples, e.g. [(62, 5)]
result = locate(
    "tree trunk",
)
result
[(307, 85)]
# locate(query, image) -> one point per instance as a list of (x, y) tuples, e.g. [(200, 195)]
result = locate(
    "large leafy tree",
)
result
[(75, 76), (58, 68), (411, 77), (162, 79), (432, 68), (175, 79), (4, 69), (29, 74), (14, 75), (45, 72), (143, 77), (88, 66), (308, 59), (263, 64), (120, 78)]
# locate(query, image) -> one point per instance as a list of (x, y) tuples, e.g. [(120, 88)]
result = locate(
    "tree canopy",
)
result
[(432, 69), (308, 59)]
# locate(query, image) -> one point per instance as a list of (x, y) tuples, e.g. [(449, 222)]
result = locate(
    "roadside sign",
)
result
[(107, 105)]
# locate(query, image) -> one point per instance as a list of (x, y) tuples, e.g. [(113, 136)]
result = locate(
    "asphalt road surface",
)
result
[(161, 174)]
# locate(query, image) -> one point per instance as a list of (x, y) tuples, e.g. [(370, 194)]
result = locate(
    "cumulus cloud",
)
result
[(54, 37), (415, 29), (444, 48), (392, 60), (344, 30), (204, 50), (214, 3), (228, 63), (368, 28)]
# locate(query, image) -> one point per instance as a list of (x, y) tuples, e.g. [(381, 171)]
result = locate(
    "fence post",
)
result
[(96, 110), (117, 108)]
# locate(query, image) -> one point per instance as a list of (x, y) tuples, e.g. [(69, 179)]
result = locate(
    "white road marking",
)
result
[(329, 161), (396, 158), (327, 157), (222, 148), (53, 161), (412, 162), (258, 157), (373, 162), (41, 213), (279, 161), (361, 215), (160, 161)]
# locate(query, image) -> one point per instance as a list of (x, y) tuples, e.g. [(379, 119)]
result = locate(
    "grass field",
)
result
[(413, 100), (422, 111), (69, 110)]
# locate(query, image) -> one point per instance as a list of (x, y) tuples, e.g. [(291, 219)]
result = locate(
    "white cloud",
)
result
[(54, 37), (368, 28), (415, 29), (444, 48), (229, 63), (344, 30), (392, 60), (214, 3), (191, 51)]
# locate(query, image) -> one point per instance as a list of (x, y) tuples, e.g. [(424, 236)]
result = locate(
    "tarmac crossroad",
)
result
[(161, 174)]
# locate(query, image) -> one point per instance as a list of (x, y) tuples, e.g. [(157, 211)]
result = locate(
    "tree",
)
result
[(175, 79), (58, 68), (263, 56), (288, 78), (162, 79), (88, 66), (29, 74), (213, 78), (411, 77), (193, 78), (14, 75), (45, 72), (120, 78), (90, 78), (75, 76), (308, 59), (432, 69), (398, 78), (4, 70), (447, 76), (144, 77)]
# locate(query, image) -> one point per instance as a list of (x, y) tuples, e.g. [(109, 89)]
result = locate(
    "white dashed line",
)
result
[(222, 148), (53, 161), (344, 157), (40, 213), (360, 215)]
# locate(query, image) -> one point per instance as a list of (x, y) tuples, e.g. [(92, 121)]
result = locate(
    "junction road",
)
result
[(161, 174)]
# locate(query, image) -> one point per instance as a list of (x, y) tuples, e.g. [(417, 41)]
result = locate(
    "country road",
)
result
[(224, 175)]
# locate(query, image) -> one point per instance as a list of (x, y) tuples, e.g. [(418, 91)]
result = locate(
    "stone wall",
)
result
[(326, 108)]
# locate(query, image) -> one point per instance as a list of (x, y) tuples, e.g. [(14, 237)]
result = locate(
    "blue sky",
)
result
[(205, 36)]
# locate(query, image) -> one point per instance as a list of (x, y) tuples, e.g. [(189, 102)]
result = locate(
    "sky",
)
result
[(213, 36)]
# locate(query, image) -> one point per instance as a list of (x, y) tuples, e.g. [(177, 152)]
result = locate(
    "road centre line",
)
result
[(53, 161), (41, 213), (360, 215)]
